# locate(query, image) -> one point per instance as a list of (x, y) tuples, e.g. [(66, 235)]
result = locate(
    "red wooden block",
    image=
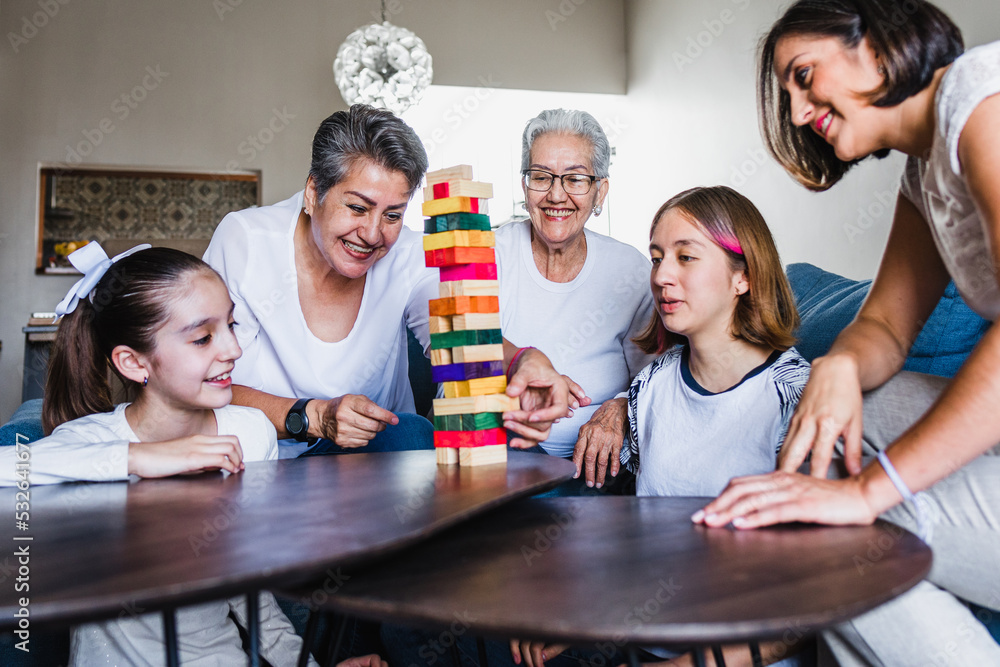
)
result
[(469, 272), (440, 190), (457, 305), (453, 256), (490, 436)]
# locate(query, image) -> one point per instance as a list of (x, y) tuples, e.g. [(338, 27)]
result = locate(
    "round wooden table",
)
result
[(533, 570)]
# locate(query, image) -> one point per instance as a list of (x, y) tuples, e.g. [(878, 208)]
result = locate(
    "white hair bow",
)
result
[(93, 262)]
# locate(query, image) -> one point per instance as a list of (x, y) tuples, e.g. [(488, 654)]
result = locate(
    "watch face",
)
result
[(294, 423)]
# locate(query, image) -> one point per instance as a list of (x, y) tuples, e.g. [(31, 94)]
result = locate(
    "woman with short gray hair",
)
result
[(325, 285), (578, 295)]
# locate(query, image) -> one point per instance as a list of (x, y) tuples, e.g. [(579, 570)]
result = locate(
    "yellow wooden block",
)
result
[(472, 404), (469, 288), (441, 323), (482, 456), (455, 205), (441, 357), (496, 384), (468, 354), (459, 188), (447, 455), (458, 172), (460, 238), (475, 321)]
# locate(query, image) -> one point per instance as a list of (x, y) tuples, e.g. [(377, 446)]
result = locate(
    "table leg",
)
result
[(253, 631), (170, 637), (481, 647), (755, 655), (633, 657), (331, 658), (699, 657), (311, 625), (720, 660)]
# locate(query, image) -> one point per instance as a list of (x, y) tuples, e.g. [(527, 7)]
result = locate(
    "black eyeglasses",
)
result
[(573, 184)]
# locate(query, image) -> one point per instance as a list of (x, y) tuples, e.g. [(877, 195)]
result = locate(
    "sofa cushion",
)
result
[(827, 303), (26, 423)]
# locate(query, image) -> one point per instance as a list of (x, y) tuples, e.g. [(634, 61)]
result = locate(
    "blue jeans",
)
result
[(412, 432)]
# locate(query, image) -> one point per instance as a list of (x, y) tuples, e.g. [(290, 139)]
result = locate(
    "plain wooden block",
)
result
[(457, 305), (455, 205), (475, 321), (474, 422), (459, 372), (440, 324), (458, 172), (482, 456), (478, 387), (471, 353), (440, 341), (474, 404), (449, 221), (441, 357), (459, 188), (461, 238), (452, 256), (469, 288), (484, 438), (472, 271), (447, 456)]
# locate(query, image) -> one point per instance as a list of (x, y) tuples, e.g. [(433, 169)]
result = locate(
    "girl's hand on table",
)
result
[(371, 660), (195, 453), (783, 497), (600, 442), (830, 408), (350, 420), (534, 654)]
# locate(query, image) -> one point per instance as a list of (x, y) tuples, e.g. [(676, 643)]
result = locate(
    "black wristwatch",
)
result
[(296, 421)]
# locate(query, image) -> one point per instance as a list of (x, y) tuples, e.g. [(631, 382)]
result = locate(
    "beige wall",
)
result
[(212, 73)]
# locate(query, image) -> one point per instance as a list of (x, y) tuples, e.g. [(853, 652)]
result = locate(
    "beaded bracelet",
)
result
[(520, 351), (925, 529)]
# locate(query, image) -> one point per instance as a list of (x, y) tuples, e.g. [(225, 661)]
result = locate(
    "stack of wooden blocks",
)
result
[(466, 345)]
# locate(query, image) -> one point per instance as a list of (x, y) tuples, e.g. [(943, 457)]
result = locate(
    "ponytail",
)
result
[(129, 304)]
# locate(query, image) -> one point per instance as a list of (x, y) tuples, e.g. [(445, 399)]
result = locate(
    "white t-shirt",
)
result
[(937, 186), (584, 326), (95, 448), (686, 441), (254, 251)]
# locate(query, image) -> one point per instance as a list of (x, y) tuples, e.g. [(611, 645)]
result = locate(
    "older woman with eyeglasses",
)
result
[(577, 295)]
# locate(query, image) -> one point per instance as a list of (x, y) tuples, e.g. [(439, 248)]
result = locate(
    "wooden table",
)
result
[(636, 571), (98, 550)]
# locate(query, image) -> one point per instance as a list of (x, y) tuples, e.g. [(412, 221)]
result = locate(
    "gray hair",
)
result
[(364, 132), (579, 123)]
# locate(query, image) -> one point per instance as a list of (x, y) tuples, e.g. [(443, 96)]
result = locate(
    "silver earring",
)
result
[(597, 210), (881, 70)]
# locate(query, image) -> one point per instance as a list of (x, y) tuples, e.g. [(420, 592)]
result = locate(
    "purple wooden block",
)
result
[(459, 372)]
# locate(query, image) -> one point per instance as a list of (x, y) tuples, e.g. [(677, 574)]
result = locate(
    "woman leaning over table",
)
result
[(325, 284), (578, 295), (840, 81)]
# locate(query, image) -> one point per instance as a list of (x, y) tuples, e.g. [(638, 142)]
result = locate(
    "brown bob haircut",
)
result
[(765, 314), (912, 38)]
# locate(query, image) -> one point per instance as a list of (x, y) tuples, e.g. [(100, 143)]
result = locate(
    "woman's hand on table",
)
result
[(546, 396), (600, 442), (830, 408), (350, 420), (534, 654), (371, 660), (783, 497), (191, 454)]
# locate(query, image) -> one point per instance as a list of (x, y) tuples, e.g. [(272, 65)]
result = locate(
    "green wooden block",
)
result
[(452, 221), (449, 339), (480, 421)]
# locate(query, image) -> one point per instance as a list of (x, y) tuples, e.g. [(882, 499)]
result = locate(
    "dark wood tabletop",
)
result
[(635, 571), (103, 550)]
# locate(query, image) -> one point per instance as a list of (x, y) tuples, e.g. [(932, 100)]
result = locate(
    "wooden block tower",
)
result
[(466, 345)]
